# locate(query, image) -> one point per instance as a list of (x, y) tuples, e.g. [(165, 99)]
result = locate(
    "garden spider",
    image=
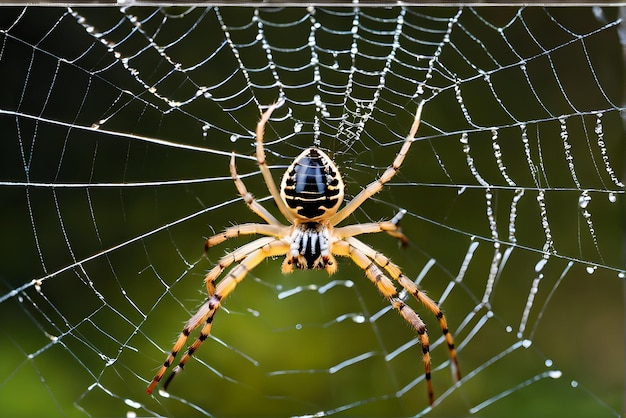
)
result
[(310, 194)]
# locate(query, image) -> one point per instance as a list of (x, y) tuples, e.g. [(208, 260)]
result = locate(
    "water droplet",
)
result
[(359, 319), (233, 138), (555, 374), (548, 363), (612, 197), (526, 343), (132, 404), (574, 384), (539, 266), (591, 269), (583, 200)]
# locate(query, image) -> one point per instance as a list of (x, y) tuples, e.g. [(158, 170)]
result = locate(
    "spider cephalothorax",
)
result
[(309, 198), (310, 248)]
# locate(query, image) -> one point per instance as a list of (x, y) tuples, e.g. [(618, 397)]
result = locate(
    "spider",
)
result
[(310, 194)]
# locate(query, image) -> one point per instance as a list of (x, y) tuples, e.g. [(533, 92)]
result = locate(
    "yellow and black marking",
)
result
[(312, 187)]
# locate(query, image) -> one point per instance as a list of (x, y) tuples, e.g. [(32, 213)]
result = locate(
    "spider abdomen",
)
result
[(312, 186)]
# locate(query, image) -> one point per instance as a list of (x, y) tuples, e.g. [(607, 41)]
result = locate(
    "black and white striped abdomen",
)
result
[(312, 186)]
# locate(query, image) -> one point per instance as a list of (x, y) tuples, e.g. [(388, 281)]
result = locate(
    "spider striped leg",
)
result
[(390, 227), (248, 197), (267, 175), (245, 229), (207, 311), (230, 258), (386, 287), (394, 271), (375, 186)]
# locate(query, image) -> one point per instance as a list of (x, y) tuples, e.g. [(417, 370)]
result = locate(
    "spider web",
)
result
[(118, 125)]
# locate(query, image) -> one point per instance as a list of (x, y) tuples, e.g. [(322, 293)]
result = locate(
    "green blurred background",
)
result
[(120, 254)]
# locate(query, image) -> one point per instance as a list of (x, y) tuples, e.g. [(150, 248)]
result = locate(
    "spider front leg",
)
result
[(267, 175), (248, 197), (207, 311), (378, 184)]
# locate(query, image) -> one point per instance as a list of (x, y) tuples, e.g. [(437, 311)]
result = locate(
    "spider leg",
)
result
[(248, 197), (386, 287), (207, 311), (244, 229), (230, 258), (267, 175), (375, 186), (390, 227), (394, 271)]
